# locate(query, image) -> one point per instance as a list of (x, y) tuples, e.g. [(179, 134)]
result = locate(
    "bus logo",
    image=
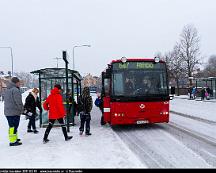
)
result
[(142, 106)]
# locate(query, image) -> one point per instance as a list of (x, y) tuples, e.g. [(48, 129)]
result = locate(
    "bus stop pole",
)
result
[(80, 87), (64, 54), (40, 98), (73, 116), (215, 88)]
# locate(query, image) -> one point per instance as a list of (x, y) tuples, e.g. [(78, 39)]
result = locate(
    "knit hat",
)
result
[(57, 86), (15, 80)]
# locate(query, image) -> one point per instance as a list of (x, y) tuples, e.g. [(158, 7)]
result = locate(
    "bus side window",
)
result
[(107, 87)]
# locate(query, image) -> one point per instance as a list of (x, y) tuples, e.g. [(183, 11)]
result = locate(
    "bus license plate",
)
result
[(142, 122)]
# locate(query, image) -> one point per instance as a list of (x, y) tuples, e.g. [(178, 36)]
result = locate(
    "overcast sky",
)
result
[(38, 30)]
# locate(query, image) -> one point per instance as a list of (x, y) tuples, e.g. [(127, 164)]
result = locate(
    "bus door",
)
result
[(106, 78)]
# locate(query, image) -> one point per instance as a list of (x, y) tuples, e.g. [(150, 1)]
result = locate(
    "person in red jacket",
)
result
[(54, 106)]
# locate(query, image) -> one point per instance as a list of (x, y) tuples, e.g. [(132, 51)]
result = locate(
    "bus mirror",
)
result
[(108, 73)]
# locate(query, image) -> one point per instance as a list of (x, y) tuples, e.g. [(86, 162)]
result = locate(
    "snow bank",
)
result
[(197, 108)]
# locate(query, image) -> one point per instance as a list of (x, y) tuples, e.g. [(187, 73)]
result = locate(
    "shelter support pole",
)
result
[(40, 99), (64, 54)]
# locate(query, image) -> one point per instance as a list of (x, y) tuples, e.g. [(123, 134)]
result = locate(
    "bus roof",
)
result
[(135, 59)]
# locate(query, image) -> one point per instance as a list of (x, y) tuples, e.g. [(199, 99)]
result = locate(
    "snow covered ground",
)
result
[(103, 149), (158, 145), (205, 110), (202, 109)]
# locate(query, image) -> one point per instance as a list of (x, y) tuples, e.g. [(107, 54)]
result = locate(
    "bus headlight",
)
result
[(123, 59)]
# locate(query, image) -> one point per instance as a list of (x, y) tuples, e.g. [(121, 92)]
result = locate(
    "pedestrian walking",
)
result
[(194, 92), (190, 92), (31, 103), (54, 106), (13, 108), (99, 103), (203, 93), (72, 109), (85, 102), (208, 94)]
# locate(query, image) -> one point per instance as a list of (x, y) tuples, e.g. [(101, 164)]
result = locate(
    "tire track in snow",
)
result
[(145, 152), (203, 145)]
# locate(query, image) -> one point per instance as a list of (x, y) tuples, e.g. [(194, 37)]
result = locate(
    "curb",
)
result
[(194, 118)]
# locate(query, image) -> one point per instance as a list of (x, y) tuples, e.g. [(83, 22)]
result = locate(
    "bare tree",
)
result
[(210, 68), (190, 50), (175, 65), (29, 80)]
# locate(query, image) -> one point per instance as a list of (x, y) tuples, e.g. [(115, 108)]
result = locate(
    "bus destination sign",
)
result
[(135, 65)]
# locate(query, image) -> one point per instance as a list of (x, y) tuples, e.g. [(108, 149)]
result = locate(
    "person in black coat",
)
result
[(31, 102), (72, 108), (85, 104), (202, 93)]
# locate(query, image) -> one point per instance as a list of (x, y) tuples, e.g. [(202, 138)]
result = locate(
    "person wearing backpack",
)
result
[(84, 108), (99, 103)]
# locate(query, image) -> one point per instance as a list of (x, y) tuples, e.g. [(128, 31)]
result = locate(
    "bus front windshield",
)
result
[(135, 83)]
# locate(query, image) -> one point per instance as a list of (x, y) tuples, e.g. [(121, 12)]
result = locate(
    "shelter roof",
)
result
[(56, 73)]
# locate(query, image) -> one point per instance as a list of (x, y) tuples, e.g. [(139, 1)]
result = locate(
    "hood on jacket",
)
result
[(55, 91), (11, 85)]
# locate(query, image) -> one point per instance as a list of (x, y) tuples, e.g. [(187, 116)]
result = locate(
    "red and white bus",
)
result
[(135, 91)]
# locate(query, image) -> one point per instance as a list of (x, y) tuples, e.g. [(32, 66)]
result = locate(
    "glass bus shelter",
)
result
[(210, 82), (48, 77)]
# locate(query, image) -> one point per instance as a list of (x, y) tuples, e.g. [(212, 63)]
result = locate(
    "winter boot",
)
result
[(81, 132), (15, 143), (64, 130), (45, 141), (29, 131), (68, 138), (35, 131), (88, 133), (46, 134), (13, 138)]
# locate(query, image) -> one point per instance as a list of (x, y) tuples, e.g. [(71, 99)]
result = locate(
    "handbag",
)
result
[(27, 113)]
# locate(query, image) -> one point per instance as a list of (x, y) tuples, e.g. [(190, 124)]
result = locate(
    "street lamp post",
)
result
[(11, 51), (57, 60), (73, 53)]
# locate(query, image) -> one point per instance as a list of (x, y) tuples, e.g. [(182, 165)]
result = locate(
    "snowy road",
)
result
[(182, 143)]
